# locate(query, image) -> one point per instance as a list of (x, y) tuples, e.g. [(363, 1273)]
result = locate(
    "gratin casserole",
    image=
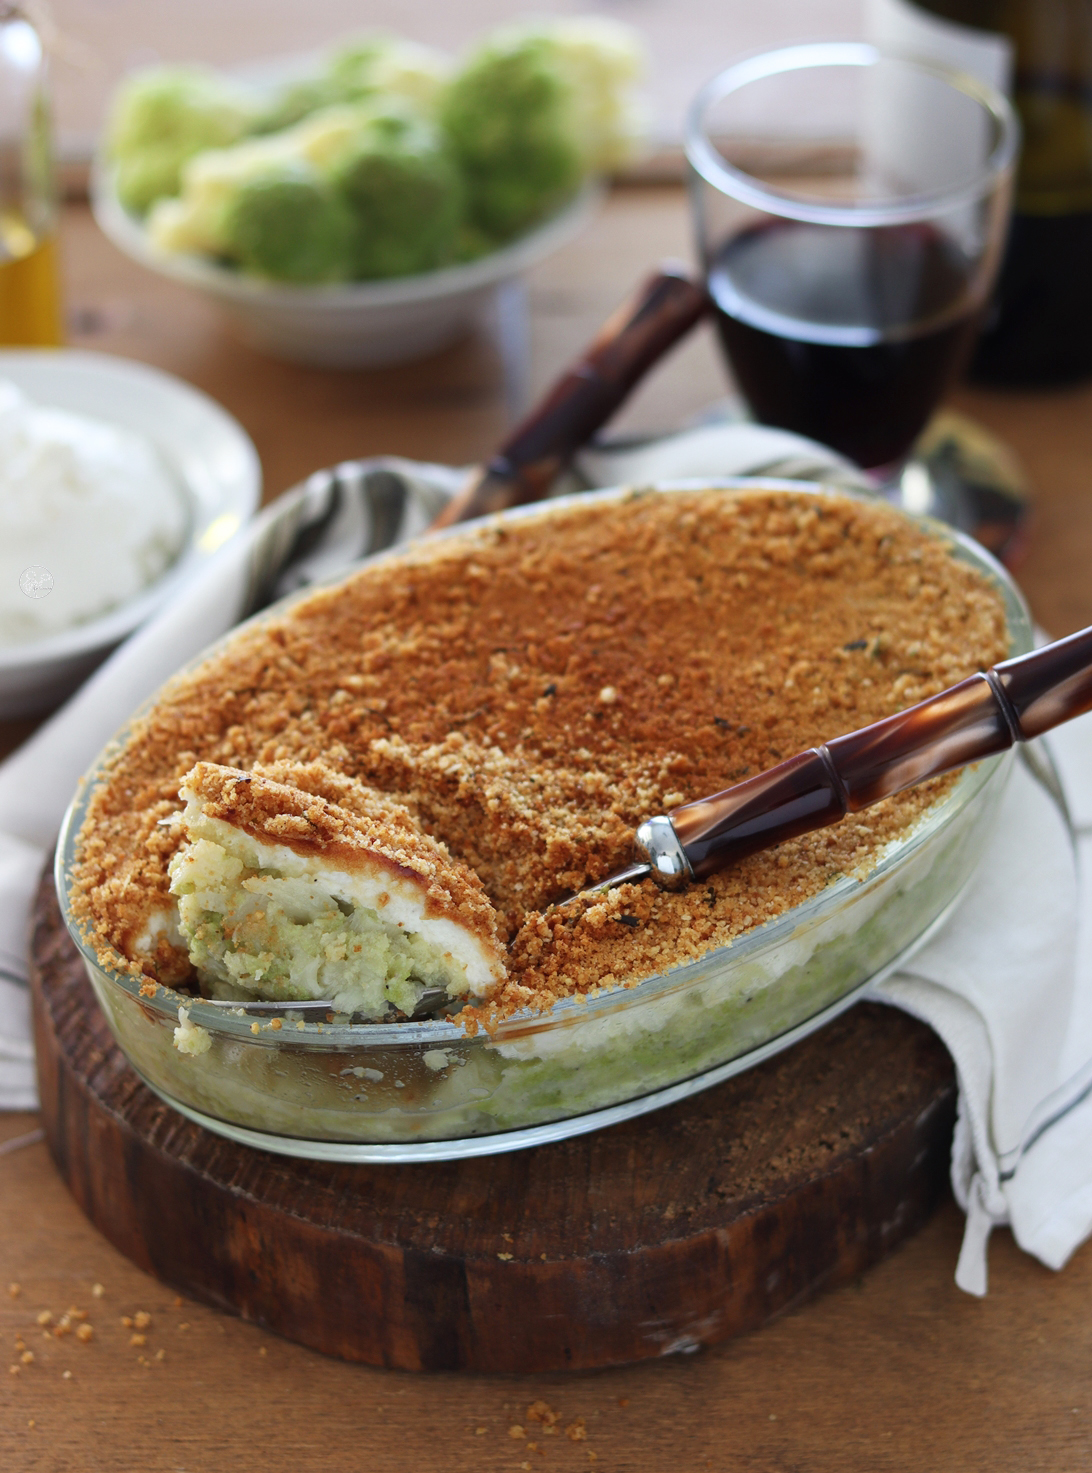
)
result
[(493, 712)]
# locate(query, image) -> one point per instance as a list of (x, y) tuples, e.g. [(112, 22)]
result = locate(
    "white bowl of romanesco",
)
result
[(352, 324), (365, 210)]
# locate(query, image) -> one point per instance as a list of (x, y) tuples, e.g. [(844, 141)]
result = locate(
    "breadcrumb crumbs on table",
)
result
[(97, 1290), (541, 1411), (85, 1333), (466, 677), (15, 1290)]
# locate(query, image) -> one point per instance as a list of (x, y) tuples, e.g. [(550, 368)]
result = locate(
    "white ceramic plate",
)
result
[(208, 453), (353, 324)]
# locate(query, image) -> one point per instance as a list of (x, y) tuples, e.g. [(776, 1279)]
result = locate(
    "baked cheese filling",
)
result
[(284, 896)]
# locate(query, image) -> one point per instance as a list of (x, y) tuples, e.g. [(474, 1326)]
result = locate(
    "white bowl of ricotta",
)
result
[(117, 482)]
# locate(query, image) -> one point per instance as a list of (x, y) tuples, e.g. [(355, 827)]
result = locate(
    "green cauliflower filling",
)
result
[(254, 933)]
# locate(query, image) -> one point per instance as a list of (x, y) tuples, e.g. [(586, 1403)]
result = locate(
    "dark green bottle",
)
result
[(1038, 330)]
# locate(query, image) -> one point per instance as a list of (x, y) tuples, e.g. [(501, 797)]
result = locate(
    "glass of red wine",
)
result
[(850, 210)]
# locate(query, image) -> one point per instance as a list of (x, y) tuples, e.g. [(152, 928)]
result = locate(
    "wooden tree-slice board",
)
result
[(677, 1229)]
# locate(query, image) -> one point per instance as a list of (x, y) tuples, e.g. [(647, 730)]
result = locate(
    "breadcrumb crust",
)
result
[(465, 678)]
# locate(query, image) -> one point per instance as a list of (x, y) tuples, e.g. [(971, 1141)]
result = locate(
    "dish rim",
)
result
[(523, 1137)]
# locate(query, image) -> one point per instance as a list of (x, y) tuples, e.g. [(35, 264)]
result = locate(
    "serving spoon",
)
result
[(1014, 701)]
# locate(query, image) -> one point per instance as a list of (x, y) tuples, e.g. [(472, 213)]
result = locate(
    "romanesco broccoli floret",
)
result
[(536, 109), (406, 196), (289, 225), (163, 117), (210, 181), (367, 68), (507, 116)]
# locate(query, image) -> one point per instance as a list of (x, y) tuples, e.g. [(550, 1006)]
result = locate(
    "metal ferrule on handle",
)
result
[(981, 716)]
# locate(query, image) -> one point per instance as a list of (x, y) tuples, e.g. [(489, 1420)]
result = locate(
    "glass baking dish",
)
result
[(423, 1090)]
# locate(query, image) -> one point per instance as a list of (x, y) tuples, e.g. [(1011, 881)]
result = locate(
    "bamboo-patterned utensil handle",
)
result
[(1014, 701), (639, 333)]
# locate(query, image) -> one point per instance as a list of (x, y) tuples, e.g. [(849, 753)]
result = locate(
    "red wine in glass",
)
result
[(847, 335)]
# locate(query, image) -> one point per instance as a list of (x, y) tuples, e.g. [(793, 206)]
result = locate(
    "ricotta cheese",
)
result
[(89, 517)]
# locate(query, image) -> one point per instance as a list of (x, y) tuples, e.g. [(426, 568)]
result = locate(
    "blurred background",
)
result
[(688, 40)]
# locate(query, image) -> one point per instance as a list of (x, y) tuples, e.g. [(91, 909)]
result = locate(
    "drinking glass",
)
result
[(850, 209)]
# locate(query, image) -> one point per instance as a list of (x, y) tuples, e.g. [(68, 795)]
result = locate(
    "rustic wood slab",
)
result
[(678, 1229)]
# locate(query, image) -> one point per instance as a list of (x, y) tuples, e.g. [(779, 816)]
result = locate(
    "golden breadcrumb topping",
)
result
[(530, 690)]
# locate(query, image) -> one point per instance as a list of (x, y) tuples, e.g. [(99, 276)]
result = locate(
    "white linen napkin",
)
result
[(1007, 983)]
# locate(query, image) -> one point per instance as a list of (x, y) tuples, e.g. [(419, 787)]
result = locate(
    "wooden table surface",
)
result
[(900, 1371)]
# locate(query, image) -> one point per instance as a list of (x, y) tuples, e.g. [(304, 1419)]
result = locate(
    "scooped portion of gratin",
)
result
[(288, 892)]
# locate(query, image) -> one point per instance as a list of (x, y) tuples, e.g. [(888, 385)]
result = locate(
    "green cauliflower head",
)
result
[(161, 118), (605, 63), (289, 225), (366, 68), (508, 117), (538, 108), (195, 222), (405, 194)]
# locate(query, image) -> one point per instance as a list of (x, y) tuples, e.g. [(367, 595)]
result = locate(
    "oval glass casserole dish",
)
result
[(612, 655)]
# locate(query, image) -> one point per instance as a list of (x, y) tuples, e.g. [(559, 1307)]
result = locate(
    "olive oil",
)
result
[(30, 294), (30, 297)]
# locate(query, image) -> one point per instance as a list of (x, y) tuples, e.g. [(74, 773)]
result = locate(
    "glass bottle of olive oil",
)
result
[(30, 295)]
